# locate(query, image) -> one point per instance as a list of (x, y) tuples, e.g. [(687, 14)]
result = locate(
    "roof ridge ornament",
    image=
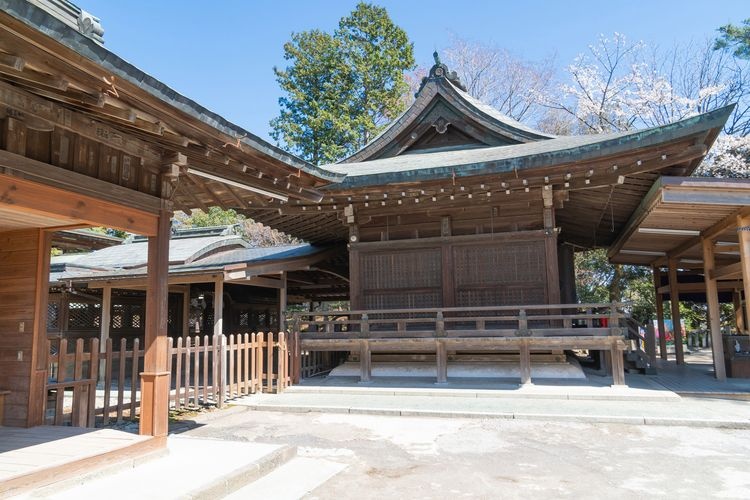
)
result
[(440, 70)]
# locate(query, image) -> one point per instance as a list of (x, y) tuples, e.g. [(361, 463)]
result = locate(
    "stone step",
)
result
[(194, 468), (293, 480)]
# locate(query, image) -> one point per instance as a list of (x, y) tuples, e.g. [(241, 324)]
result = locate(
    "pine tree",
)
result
[(341, 88)]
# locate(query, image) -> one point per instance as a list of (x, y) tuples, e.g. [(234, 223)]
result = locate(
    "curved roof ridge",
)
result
[(441, 82)]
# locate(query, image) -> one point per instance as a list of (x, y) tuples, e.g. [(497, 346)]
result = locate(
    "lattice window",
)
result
[(407, 269), (244, 319), (136, 316), (517, 262), (53, 316), (118, 314), (83, 316)]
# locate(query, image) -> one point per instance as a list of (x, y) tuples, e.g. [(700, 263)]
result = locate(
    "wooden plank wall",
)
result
[(460, 271), (19, 252)]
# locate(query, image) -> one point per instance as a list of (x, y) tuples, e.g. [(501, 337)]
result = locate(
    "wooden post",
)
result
[(441, 358), (712, 298), (660, 313), (743, 235), (106, 321), (282, 303), (186, 311), (651, 341), (155, 377), (525, 360), (365, 361), (739, 314), (674, 302), (618, 364), (219, 305)]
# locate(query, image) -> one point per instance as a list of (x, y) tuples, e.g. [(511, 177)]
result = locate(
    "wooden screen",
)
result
[(459, 271), (401, 279), (511, 273)]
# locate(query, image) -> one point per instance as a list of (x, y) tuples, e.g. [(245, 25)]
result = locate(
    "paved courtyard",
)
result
[(426, 457)]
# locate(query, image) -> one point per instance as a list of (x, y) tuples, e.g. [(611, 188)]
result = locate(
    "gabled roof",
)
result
[(514, 158), (443, 117)]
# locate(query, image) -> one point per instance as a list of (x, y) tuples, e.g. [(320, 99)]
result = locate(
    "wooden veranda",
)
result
[(521, 329)]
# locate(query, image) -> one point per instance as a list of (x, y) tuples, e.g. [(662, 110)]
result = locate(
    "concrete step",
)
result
[(194, 468), (291, 481)]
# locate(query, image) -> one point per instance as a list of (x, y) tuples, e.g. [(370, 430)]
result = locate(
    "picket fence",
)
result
[(89, 386)]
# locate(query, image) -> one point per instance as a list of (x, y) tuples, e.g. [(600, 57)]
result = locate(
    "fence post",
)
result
[(439, 324), (222, 370)]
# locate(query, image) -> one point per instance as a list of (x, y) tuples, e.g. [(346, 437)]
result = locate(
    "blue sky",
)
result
[(221, 53)]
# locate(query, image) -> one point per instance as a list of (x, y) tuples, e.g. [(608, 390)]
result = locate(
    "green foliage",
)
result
[(341, 88), (736, 38), (312, 121), (214, 217), (378, 52), (599, 281), (117, 233)]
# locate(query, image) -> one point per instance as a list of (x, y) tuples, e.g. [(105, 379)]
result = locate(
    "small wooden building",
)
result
[(102, 294)]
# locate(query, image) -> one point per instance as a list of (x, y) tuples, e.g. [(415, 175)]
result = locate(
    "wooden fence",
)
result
[(88, 385)]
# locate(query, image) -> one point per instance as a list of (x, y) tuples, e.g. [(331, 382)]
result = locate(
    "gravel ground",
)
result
[(420, 457)]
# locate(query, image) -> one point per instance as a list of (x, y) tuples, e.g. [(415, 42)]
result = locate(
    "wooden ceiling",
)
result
[(96, 118), (676, 215)]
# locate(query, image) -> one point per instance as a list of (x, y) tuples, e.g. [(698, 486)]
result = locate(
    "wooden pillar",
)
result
[(743, 235), (39, 346), (155, 377), (656, 270), (441, 358), (566, 266), (712, 298), (219, 306), (282, 302), (106, 317), (365, 361), (674, 303), (550, 249), (186, 311), (446, 265), (618, 364), (739, 312), (525, 359), (651, 341)]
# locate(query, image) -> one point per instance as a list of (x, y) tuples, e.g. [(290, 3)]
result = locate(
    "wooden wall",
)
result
[(24, 273), (457, 271)]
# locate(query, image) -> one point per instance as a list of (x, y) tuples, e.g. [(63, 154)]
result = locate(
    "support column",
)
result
[(106, 322), (712, 298), (660, 313), (739, 312), (618, 364), (365, 362), (743, 235), (525, 358), (186, 311), (674, 302), (219, 306), (155, 377), (441, 358), (282, 302)]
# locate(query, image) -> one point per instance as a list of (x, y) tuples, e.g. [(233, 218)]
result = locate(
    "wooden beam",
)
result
[(106, 318), (155, 376), (674, 302), (39, 199), (186, 311), (730, 271), (712, 299)]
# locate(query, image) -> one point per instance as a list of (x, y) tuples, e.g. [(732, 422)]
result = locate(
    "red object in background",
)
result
[(604, 322)]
